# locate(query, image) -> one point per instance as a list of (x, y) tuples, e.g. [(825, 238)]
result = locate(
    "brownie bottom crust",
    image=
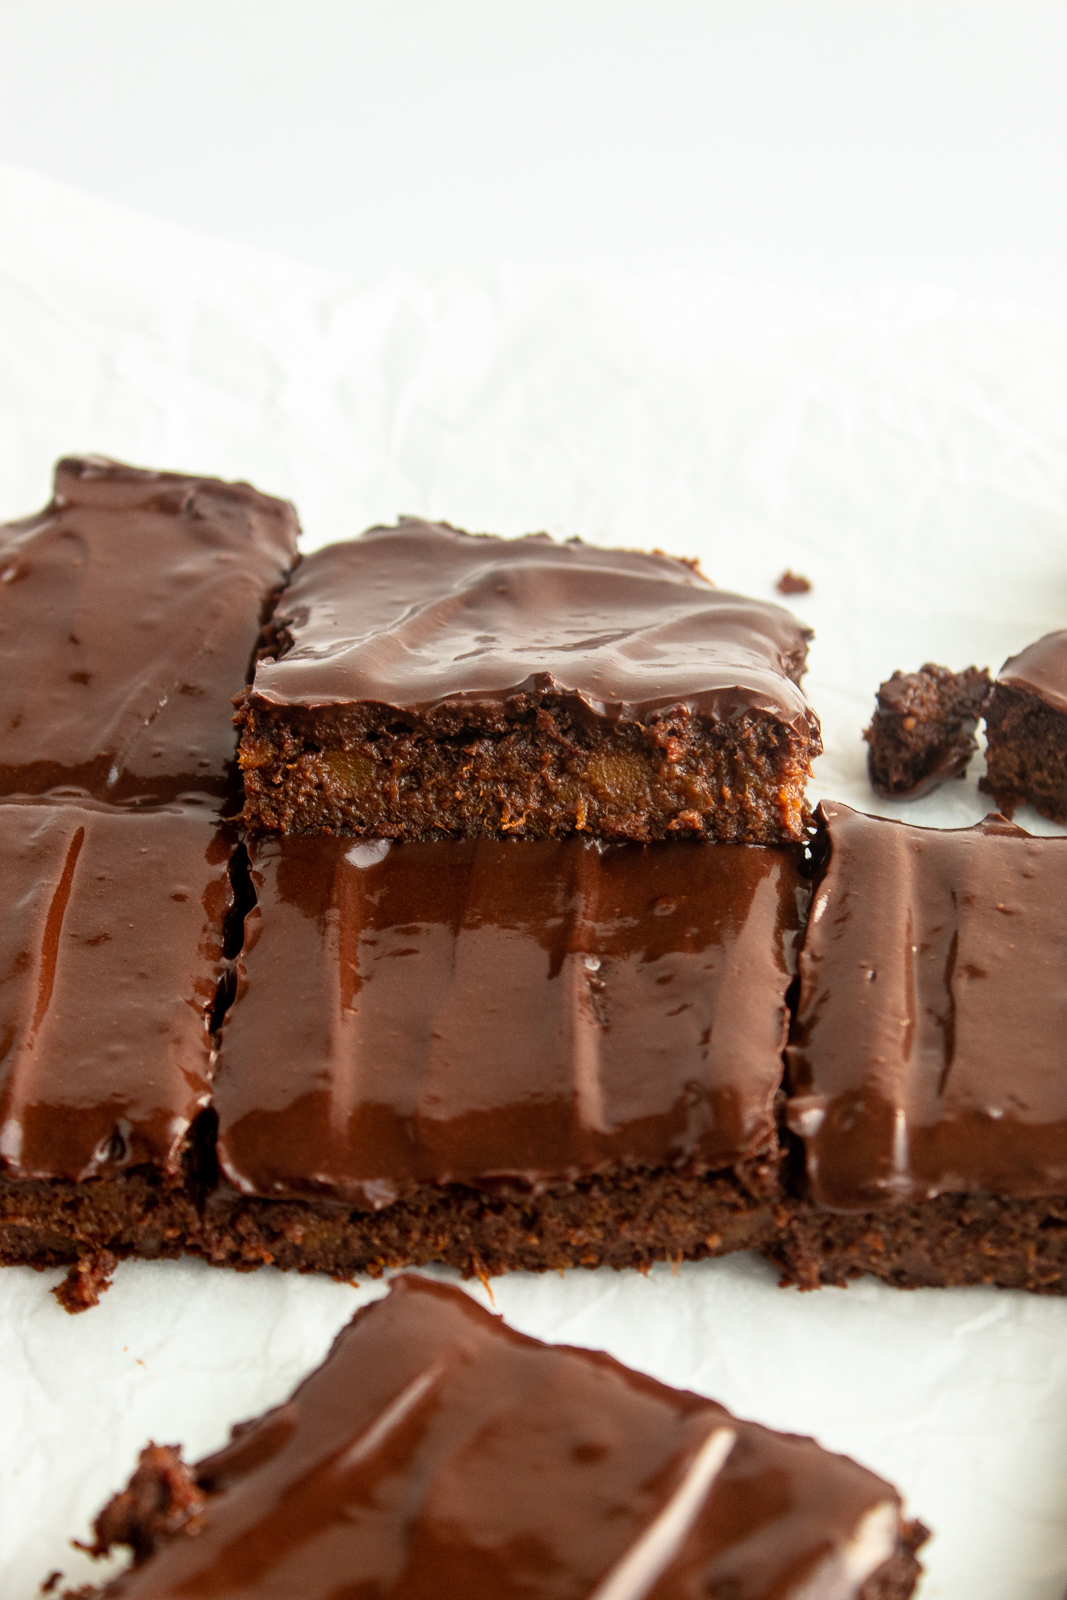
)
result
[(951, 1240), (536, 773), (627, 1219), (89, 1226), (1026, 755), (621, 1220)]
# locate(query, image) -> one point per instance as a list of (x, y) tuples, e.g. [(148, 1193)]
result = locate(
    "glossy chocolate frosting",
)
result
[(110, 954), (129, 613), (476, 1009), (439, 1455), (929, 1053), (419, 615), (1040, 669)]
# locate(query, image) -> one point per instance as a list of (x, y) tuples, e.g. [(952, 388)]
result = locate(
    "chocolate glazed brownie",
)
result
[(1026, 730), (928, 1058), (503, 1054), (420, 682), (111, 969), (130, 609), (439, 1455)]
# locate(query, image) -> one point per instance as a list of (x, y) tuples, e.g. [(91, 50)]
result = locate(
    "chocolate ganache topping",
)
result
[(129, 614), (420, 615), (439, 1455), (929, 1053), (1040, 669), (110, 954), (477, 1009)]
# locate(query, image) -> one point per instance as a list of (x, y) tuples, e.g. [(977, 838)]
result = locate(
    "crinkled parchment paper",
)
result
[(904, 449)]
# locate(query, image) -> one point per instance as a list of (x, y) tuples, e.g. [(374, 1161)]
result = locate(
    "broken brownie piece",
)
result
[(420, 682), (928, 1059), (129, 613), (437, 1452), (1026, 730), (922, 732), (111, 957), (503, 1054)]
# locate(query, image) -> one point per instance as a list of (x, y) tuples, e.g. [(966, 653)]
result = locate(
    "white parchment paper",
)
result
[(904, 449)]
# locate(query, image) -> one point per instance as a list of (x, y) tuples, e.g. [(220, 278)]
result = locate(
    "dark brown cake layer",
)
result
[(922, 732), (929, 1051), (620, 1219), (438, 1453), (476, 1010), (421, 682), (129, 614), (1026, 730), (952, 1239)]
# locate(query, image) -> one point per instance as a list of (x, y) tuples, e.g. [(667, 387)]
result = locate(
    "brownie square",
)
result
[(927, 1066), (421, 682), (503, 1054), (111, 960), (922, 731), (1026, 730), (130, 609), (437, 1454)]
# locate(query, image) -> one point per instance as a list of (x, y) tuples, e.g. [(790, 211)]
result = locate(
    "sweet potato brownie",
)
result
[(503, 1053), (129, 614), (437, 1454), (421, 682), (928, 1058), (922, 732), (111, 960), (1026, 729)]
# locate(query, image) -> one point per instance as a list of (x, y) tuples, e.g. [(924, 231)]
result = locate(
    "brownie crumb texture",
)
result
[(536, 770), (793, 583), (1026, 756), (86, 1281), (161, 1499), (948, 1241), (922, 732)]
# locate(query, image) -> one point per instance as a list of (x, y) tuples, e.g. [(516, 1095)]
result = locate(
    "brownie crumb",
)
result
[(86, 1281), (162, 1498), (52, 1581), (922, 731), (793, 583)]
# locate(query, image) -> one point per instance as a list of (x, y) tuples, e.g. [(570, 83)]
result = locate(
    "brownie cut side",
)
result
[(438, 1452), (926, 1063), (1026, 730), (622, 1219), (420, 682), (922, 731), (503, 1054)]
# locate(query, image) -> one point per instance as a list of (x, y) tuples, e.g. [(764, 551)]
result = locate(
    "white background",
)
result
[(818, 142), (906, 447)]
